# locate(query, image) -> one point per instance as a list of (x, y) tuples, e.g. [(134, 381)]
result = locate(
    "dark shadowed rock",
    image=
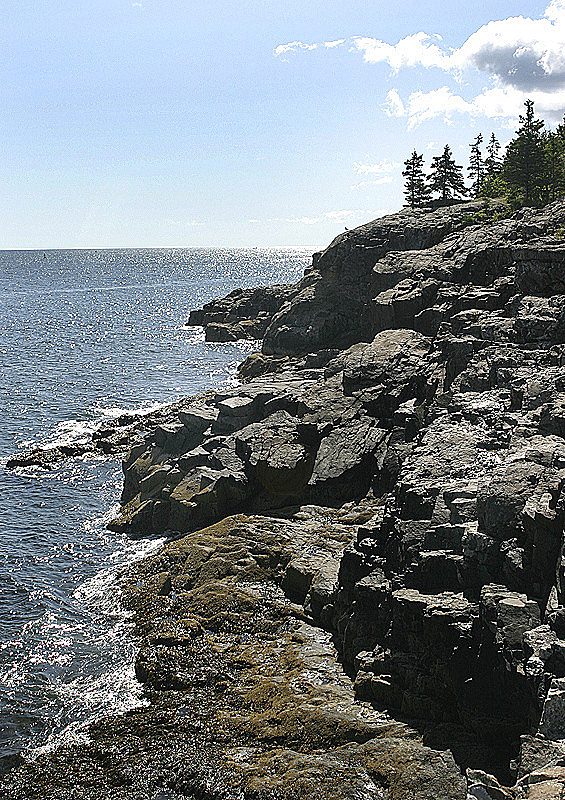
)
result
[(243, 314)]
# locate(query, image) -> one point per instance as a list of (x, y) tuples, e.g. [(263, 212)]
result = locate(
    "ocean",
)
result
[(87, 335)]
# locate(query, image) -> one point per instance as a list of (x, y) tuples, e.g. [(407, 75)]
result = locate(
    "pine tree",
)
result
[(524, 163), (446, 177), (560, 131), (493, 161), (554, 165), (493, 183), (476, 168), (416, 190)]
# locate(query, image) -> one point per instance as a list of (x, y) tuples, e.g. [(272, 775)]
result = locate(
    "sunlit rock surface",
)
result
[(364, 591)]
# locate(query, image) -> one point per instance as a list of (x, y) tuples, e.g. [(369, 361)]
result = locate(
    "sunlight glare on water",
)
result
[(87, 335)]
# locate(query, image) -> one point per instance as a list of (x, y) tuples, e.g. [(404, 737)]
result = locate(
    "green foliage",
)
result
[(554, 173), (476, 168), (493, 161), (494, 186), (524, 166), (416, 190), (488, 214), (531, 172), (446, 177)]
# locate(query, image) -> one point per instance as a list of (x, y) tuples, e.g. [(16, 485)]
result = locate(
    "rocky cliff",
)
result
[(389, 483)]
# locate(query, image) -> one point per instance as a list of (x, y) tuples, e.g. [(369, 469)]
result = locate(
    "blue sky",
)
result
[(179, 123)]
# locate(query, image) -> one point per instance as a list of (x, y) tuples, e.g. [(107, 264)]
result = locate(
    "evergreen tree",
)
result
[(524, 163), (560, 131), (493, 161), (554, 165), (493, 183), (476, 168), (446, 177), (416, 190)]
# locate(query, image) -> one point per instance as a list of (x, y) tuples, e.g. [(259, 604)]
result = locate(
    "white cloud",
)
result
[(422, 106), (292, 47), (326, 216), (304, 220), (520, 54), (502, 103), (394, 107), (523, 53), (383, 167), (353, 217), (377, 182), (418, 49), (341, 215)]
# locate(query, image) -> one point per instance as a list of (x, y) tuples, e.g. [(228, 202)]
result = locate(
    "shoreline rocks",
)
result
[(243, 314), (391, 475), (107, 437)]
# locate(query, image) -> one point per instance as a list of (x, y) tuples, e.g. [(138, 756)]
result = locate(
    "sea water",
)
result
[(87, 335)]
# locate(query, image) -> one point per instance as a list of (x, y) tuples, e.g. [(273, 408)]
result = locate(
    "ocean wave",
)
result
[(80, 431)]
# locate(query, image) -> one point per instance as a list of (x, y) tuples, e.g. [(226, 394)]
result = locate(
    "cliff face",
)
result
[(399, 484)]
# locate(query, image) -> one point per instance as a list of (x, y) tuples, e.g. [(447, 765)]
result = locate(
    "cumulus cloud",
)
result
[(523, 53), (502, 103), (520, 54)]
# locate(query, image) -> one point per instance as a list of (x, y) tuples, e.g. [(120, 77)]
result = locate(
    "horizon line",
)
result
[(184, 247)]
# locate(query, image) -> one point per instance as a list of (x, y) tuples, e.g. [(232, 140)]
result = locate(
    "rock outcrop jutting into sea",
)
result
[(388, 481)]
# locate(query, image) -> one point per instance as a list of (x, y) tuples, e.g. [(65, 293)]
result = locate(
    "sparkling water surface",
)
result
[(87, 334)]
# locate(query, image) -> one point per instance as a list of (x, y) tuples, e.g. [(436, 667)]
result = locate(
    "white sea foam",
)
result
[(102, 591), (113, 412), (90, 697), (111, 687), (80, 431)]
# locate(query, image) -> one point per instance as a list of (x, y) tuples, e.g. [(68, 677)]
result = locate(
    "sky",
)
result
[(188, 123)]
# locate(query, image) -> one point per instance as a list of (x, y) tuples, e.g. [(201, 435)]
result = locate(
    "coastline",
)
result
[(388, 497)]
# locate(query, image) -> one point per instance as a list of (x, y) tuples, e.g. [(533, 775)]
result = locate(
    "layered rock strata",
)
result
[(400, 477)]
